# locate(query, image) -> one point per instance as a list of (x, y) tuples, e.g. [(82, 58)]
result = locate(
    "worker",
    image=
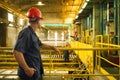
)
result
[(66, 52), (76, 36), (27, 48)]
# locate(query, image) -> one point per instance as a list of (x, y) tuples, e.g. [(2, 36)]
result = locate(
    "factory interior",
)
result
[(88, 29)]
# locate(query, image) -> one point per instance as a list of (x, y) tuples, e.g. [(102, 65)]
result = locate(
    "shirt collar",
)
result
[(31, 29)]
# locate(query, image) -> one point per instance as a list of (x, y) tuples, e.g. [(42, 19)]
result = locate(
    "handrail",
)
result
[(106, 44), (96, 48), (108, 61), (76, 75), (71, 75)]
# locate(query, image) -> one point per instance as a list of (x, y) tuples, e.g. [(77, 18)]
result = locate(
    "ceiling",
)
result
[(53, 11)]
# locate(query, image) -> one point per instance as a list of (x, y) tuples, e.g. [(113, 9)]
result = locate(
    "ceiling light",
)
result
[(10, 25), (85, 4), (10, 17), (68, 20), (40, 3), (80, 10), (76, 17), (21, 21), (87, 0), (1, 22)]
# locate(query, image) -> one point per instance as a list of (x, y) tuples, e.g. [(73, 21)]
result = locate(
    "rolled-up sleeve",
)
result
[(39, 42), (22, 42)]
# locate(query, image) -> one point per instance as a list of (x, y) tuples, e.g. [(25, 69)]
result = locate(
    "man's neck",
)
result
[(34, 27)]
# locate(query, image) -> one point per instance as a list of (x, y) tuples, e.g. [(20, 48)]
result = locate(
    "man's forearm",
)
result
[(47, 46), (50, 47), (20, 59)]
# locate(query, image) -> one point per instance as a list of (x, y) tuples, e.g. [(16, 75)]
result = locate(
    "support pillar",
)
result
[(117, 2), (3, 25)]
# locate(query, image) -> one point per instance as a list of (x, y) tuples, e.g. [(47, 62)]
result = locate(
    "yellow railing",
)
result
[(103, 47), (88, 39), (87, 55)]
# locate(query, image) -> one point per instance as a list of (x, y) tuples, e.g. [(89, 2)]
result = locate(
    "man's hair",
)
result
[(33, 20)]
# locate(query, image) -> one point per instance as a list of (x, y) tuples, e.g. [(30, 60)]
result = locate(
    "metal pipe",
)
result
[(94, 27), (96, 48), (118, 23), (107, 23), (101, 18)]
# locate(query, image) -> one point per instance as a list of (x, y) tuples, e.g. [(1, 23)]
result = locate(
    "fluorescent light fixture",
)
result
[(21, 21), (87, 0), (56, 35), (80, 11), (1, 22), (10, 17), (68, 20), (85, 4), (10, 25), (62, 36), (76, 17)]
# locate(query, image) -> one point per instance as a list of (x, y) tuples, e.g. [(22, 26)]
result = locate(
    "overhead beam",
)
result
[(11, 9)]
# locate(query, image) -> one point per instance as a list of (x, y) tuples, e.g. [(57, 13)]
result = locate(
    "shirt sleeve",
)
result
[(40, 43), (22, 42)]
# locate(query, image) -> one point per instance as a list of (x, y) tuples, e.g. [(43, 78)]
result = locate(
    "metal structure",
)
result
[(54, 11), (95, 55), (55, 66)]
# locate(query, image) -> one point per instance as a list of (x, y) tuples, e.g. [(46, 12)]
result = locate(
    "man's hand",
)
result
[(50, 47), (29, 72), (56, 50), (20, 59)]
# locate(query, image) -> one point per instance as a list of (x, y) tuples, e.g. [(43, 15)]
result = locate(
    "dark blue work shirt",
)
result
[(29, 44)]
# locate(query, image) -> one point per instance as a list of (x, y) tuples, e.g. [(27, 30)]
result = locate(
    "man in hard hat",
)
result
[(27, 51)]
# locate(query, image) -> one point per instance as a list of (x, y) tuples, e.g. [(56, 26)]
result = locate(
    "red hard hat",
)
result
[(34, 13)]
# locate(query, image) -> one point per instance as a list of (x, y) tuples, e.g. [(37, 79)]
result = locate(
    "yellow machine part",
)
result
[(86, 56)]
